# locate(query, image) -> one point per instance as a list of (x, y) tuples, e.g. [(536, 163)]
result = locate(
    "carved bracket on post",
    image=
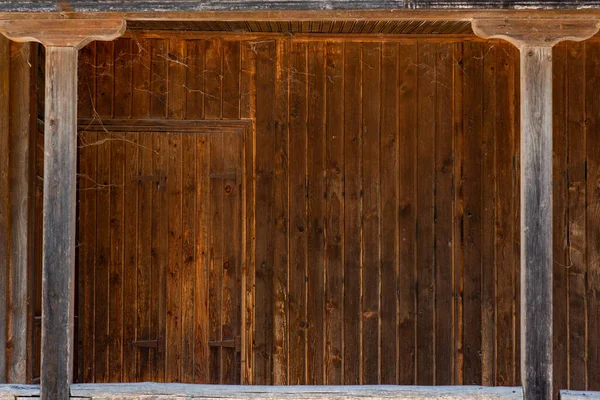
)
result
[(535, 32), (62, 32), (535, 38), (62, 39)]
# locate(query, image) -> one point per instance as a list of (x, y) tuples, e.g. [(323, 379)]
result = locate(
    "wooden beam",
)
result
[(216, 5), (535, 40), (62, 40), (58, 265), (236, 12)]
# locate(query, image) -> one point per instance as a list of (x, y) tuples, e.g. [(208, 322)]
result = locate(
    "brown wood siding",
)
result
[(385, 224), (379, 185)]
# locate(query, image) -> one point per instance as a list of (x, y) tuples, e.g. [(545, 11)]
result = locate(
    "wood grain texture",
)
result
[(322, 229), (21, 189), (153, 174), (214, 5), (592, 68), (130, 391), (536, 221), (58, 281), (67, 33)]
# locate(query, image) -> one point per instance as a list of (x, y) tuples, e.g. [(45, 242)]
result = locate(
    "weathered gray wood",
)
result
[(20, 195), (536, 222), (58, 265), (535, 40), (4, 198), (187, 5), (578, 395), (11, 391), (173, 390)]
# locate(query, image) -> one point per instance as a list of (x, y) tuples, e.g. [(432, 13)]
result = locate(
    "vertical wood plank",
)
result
[(407, 218), (160, 236), (316, 211), (506, 208), (130, 255), (201, 329), (123, 79), (159, 78), (195, 79), (231, 212), (176, 110), (389, 165), (216, 257), (190, 262), (471, 223), (297, 316), (141, 69), (145, 319), (247, 110), (231, 222), (280, 214), (352, 212), (592, 105), (87, 186), (104, 107), (121, 105), (123, 109), (425, 212), (488, 221), (173, 301), (371, 274), (140, 98), (265, 109), (4, 198), (58, 281), (334, 125), (20, 166), (560, 211), (444, 203), (213, 79), (231, 79), (196, 245), (458, 210), (576, 203)]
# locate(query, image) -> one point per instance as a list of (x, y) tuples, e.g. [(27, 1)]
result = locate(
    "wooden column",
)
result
[(535, 39), (62, 40)]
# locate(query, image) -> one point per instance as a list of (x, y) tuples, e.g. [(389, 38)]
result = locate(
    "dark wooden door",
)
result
[(159, 260)]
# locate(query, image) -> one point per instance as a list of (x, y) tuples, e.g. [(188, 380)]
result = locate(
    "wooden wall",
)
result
[(577, 215), (386, 214), (386, 245), (17, 88)]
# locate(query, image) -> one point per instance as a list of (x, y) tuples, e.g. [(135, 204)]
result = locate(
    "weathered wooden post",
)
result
[(535, 39), (62, 39)]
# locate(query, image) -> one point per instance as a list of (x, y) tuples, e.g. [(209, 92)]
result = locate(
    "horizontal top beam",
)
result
[(231, 5)]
